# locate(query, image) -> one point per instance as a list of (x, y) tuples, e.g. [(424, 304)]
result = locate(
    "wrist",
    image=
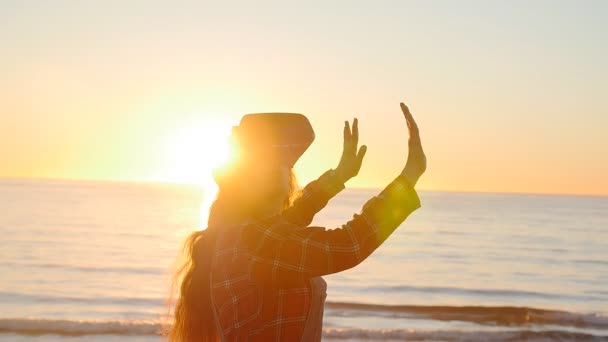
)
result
[(410, 177), (338, 176)]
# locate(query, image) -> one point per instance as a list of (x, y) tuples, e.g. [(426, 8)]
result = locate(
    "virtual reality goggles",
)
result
[(274, 137)]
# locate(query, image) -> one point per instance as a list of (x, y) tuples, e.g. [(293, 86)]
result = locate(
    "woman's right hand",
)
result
[(416, 160), (352, 158)]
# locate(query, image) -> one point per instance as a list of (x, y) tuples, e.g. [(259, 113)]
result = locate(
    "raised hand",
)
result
[(350, 162), (416, 160)]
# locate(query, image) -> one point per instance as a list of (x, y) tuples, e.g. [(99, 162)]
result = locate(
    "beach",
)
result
[(91, 261)]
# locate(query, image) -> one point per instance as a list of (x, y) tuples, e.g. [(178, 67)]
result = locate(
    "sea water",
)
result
[(91, 261)]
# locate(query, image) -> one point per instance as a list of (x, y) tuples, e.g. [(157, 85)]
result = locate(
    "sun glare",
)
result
[(195, 149)]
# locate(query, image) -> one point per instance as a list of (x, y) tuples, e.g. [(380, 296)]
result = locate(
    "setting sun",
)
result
[(194, 150)]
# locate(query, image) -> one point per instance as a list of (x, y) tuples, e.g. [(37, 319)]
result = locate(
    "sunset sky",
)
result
[(510, 96)]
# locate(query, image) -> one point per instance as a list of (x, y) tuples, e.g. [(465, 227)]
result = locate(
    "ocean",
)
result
[(91, 261)]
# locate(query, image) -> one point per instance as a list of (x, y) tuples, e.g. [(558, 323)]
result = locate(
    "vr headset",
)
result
[(274, 137)]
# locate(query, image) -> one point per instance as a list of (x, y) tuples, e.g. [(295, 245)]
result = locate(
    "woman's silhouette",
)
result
[(254, 273)]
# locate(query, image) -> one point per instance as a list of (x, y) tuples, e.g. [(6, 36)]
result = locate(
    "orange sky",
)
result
[(509, 97)]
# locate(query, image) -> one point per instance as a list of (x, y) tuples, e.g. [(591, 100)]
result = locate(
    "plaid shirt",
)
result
[(261, 271)]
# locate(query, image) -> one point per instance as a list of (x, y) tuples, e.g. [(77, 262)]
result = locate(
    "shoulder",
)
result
[(228, 236)]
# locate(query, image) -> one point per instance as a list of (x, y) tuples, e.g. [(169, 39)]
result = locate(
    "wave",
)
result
[(131, 328), (591, 262), (96, 269), (459, 291), (40, 298), (495, 315), (30, 326), (459, 335), (485, 315)]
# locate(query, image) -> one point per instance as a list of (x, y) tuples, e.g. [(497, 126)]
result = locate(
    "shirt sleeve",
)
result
[(283, 250), (313, 198)]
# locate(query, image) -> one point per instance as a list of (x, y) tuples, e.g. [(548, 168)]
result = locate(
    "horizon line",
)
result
[(190, 184)]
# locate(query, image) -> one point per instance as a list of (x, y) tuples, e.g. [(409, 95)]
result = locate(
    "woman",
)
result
[(254, 273)]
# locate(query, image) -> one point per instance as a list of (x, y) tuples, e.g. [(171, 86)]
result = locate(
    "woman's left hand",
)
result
[(352, 158)]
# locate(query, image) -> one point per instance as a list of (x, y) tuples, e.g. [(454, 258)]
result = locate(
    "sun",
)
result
[(195, 149)]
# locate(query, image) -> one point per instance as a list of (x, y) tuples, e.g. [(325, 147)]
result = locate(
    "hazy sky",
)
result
[(509, 95)]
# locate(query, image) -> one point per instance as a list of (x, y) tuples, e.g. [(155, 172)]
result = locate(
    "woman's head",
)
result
[(269, 189), (265, 147), (257, 182), (252, 191)]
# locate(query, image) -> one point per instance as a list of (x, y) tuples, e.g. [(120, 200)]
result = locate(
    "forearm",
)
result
[(361, 236), (288, 253), (391, 207), (313, 198)]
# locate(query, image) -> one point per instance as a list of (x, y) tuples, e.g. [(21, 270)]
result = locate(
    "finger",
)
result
[(347, 133), (361, 154), (408, 117), (411, 123), (345, 130), (355, 132), (405, 112)]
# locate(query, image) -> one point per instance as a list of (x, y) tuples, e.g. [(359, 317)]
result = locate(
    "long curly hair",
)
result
[(193, 318)]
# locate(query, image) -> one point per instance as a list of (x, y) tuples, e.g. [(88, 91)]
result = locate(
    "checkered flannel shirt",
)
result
[(260, 271)]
